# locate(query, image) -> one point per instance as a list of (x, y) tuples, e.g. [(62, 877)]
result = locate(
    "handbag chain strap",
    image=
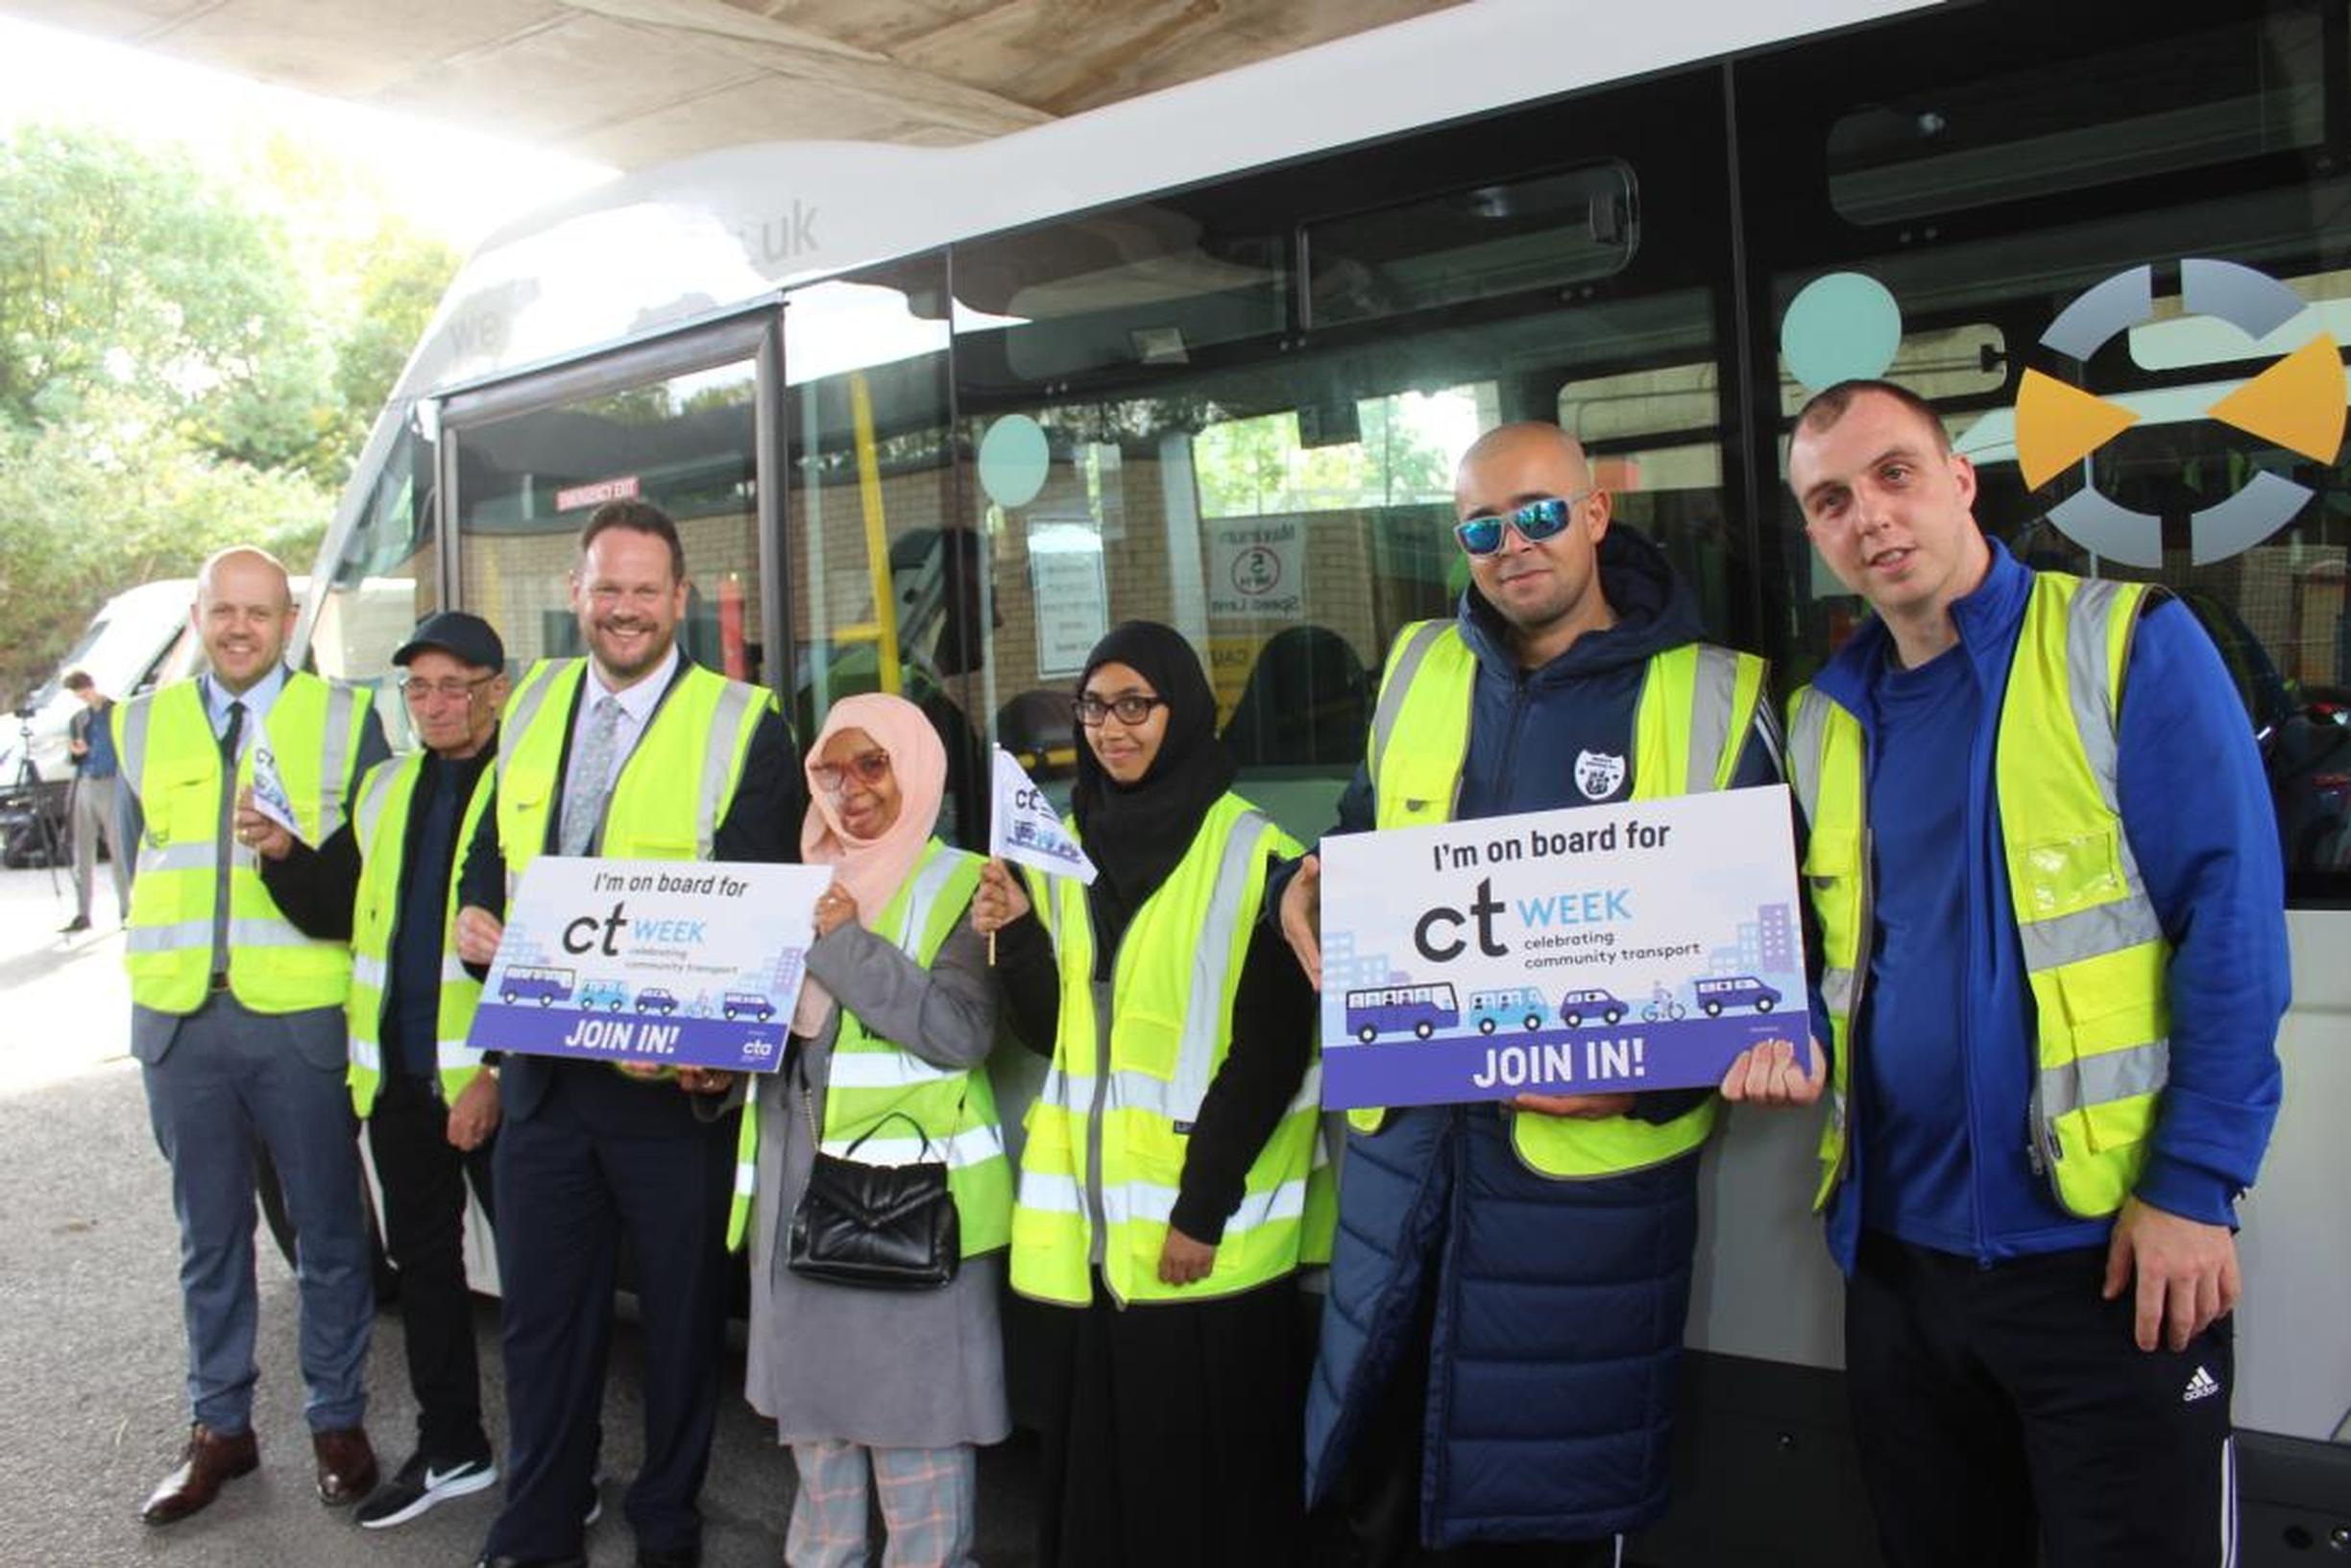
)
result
[(807, 1110)]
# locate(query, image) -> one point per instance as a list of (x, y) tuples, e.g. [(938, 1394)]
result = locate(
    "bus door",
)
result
[(886, 592), (676, 421)]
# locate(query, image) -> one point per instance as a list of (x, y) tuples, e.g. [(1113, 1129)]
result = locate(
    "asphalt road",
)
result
[(92, 1362)]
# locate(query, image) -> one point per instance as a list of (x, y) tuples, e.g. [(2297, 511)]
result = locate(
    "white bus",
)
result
[(934, 419)]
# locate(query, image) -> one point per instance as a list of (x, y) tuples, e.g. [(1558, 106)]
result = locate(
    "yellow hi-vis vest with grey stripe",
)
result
[(380, 818), (1132, 1060), (2094, 953), (188, 861), (1698, 703), (673, 790), (903, 1107)]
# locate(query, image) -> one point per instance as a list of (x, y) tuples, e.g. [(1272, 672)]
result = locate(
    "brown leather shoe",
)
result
[(208, 1462), (346, 1465)]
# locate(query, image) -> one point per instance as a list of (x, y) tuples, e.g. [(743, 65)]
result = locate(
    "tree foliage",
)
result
[(186, 360)]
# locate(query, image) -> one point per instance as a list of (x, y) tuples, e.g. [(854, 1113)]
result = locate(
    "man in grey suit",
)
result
[(237, 1023)]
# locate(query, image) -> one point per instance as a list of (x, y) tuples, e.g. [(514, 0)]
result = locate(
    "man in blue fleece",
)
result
[(1494, 1382), (2051, 916)]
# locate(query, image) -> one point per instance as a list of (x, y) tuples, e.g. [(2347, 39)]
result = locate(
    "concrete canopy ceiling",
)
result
[(636, 82)]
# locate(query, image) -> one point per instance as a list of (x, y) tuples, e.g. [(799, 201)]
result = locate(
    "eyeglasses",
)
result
[(1536, 521), (870, 766), (416, 691), (1131, 709)]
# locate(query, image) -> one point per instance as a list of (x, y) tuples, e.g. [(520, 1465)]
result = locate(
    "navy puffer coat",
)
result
[(1555, 1308)]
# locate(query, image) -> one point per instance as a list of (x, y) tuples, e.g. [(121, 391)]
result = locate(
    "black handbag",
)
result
[(877, 1227)]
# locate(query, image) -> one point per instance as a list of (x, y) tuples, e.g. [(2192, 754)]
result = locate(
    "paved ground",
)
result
[(92, 1360)]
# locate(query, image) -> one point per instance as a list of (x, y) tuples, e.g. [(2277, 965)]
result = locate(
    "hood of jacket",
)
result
[(1654, 611)]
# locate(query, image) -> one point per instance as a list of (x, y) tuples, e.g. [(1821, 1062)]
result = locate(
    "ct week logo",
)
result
[(2297, 403)]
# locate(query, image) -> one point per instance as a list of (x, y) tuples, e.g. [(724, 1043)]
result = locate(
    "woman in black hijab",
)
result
[(1181, 1178)]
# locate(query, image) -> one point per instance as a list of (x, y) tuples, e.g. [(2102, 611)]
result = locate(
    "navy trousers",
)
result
[(572, 1182), (217, 1081)]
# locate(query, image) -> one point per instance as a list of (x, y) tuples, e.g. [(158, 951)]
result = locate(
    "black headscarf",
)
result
[(1135, 833)]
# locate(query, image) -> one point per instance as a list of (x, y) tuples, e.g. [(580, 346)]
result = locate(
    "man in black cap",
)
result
[(383, 881)]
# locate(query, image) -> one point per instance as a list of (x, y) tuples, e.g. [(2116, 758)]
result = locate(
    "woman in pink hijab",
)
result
[(893, 1024)]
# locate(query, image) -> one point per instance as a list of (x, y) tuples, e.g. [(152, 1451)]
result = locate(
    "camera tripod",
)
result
[(25, 794)]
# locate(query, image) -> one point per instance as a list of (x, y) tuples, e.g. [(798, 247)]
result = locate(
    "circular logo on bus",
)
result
[(2296, 403)]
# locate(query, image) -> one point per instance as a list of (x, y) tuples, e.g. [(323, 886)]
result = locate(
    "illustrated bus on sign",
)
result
[(545, 986), (1578, 1006), (1419, 1010), (654, 1000), (1517, 1007), (1720, 991)]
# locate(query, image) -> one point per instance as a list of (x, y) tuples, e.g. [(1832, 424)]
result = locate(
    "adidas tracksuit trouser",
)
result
[(2004, 1407)]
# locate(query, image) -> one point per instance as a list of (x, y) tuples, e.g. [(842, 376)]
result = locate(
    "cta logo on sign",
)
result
[(2297, 403)]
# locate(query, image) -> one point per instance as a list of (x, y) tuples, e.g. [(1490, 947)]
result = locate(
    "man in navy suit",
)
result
[(632, 753)]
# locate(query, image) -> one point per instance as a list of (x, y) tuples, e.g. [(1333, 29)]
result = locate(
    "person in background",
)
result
[(89, 739), (1171, 1186), (386, 882), (236, 1021), (883, 1392)]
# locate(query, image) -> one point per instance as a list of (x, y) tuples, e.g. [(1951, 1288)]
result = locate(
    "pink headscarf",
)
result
[(871, 870)]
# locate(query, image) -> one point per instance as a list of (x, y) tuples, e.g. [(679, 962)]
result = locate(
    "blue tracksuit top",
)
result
[(1940, 1155)]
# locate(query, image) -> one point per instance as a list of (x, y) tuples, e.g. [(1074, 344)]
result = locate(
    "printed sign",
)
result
[(1073, 607), (1255, 568), (1025, 829), (623, 488), (1639, 945), (683, 963)]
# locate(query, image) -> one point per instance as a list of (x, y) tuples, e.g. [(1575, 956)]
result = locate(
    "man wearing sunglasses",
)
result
[(385, 882), (1529, 1261)]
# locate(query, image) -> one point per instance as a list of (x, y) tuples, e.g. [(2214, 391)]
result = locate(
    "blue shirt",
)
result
[(94, 728), (1915, 1178), (258, 699)]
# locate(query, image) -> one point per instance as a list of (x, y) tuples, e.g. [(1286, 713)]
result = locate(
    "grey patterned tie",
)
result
[(586, 780)]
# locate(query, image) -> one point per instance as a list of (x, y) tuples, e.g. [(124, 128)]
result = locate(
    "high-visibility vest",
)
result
[(904, 1108), (188, 858), (1698, 702), (1132, 1061), (673, 790), (380, 818), (2094, 954)]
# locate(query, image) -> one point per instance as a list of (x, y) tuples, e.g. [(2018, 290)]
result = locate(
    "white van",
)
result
[(131, 644)]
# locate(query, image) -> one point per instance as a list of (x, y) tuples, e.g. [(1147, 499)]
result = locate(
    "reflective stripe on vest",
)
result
[(379, 820), (1697, 704), (874, 1086), (172, 763), (1132, 1062), (701, 731), (2094, 954)]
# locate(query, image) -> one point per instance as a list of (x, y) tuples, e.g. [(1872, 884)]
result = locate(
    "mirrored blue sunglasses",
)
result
[(1536, 521)]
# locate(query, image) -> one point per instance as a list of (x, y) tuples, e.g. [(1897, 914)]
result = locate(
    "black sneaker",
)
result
[(418, 1486), (78, 923)]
